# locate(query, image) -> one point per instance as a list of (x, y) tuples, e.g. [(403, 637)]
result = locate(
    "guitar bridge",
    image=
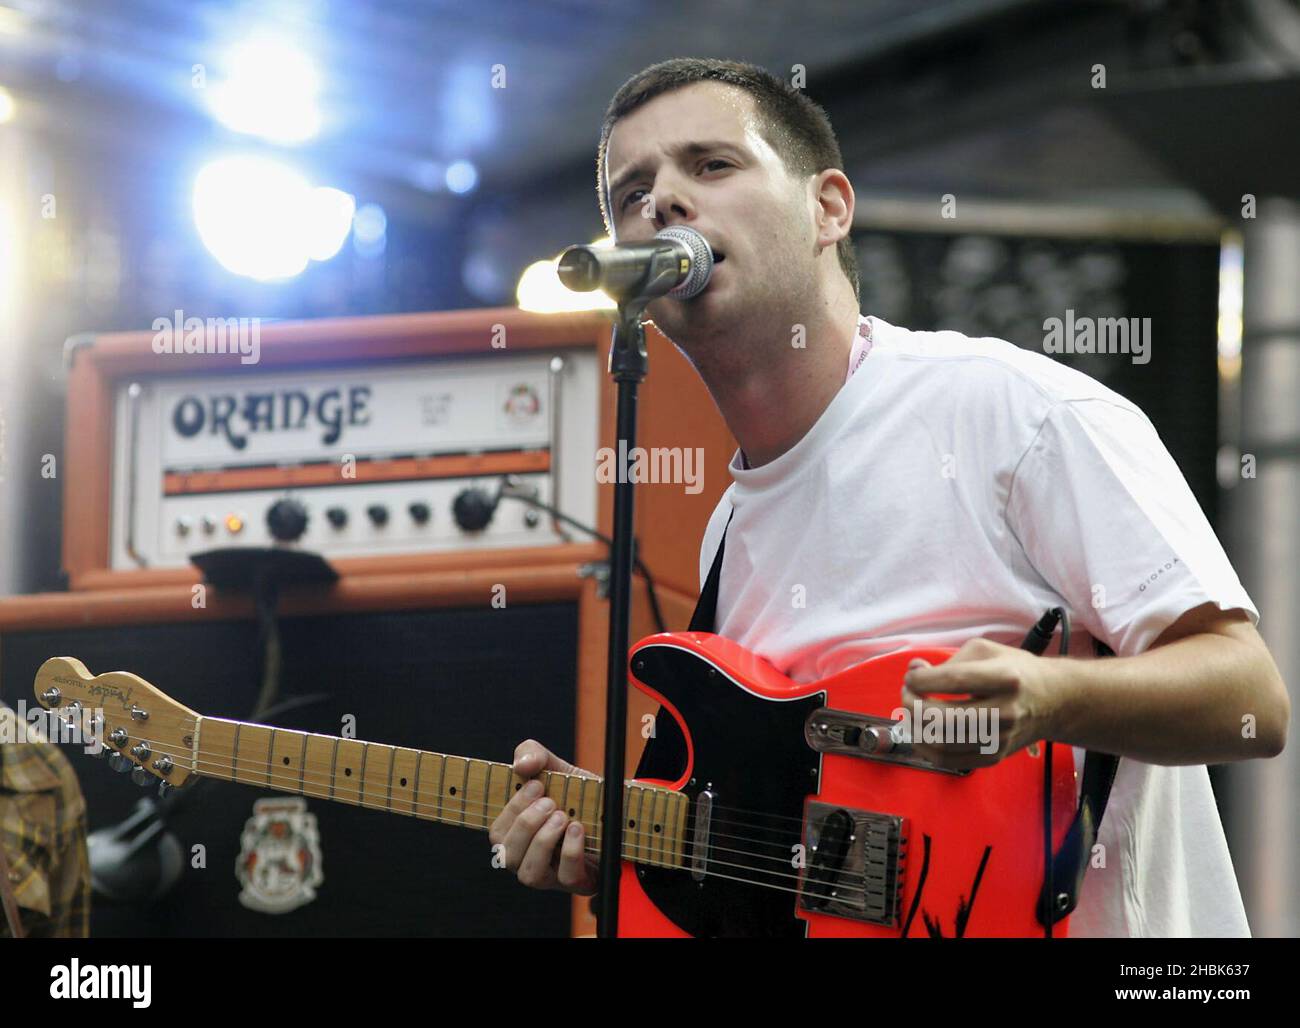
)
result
[(854, 862)]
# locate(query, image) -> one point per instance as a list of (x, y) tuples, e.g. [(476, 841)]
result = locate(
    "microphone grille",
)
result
[(701, 260)]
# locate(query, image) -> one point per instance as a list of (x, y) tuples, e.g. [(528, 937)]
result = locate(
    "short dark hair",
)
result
[(792, 124)]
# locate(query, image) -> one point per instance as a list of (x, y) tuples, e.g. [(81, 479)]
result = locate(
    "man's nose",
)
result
[(672, 206)]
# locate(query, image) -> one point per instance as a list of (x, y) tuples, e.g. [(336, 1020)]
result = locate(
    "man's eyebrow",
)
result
[(687, 149)]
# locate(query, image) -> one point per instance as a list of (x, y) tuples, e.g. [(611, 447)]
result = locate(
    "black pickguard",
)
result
[(751, 753)]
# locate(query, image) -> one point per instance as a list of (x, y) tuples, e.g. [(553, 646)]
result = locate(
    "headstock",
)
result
[(139, 728)]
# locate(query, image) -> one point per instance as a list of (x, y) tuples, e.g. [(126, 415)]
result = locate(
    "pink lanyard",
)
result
[(861, 347)]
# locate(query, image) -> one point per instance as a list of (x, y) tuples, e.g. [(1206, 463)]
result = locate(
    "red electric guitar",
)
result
[(799, 810)]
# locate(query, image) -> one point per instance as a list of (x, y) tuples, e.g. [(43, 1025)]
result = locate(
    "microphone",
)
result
[(677, 262)]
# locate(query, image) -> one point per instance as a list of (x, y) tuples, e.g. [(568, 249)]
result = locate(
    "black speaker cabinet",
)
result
[(470, 682)]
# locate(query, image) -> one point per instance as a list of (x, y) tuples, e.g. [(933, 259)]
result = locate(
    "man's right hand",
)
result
[(543, 846)]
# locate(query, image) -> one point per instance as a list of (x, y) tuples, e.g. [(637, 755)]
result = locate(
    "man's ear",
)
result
[(833, 194)]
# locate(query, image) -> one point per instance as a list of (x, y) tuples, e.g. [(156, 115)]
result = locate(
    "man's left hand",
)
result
[(1007, 687)]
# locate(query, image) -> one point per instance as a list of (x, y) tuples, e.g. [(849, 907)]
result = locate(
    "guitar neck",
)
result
[(432, 786)]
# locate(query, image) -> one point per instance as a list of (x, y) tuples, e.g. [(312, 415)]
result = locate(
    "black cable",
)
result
[(1036, 642), (636, 560)]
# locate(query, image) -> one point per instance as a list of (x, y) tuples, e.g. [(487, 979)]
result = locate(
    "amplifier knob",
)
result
[(287, 520), (473, 509), (420, 512), (338, 516), (378, 514)]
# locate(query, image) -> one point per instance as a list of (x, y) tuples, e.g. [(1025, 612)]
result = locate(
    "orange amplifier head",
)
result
[(371, 441)]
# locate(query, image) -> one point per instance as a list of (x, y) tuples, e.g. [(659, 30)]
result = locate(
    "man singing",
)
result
[(929, 489)]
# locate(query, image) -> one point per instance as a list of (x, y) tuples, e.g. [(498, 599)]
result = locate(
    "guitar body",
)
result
[(953, 854)]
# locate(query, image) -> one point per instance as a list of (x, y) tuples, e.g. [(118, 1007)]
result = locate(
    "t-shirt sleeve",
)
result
[(1107, 518)]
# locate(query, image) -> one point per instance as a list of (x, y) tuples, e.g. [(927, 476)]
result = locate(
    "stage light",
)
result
[(462, 176), (261, 219), (270, 92), (7, 106), (331, 218), (370, 230)]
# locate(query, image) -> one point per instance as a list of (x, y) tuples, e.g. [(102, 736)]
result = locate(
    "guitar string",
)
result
[(281, 782), (642, 853), (715, 832), (647, 847), (322, 779), (781, 846), (187, 723)]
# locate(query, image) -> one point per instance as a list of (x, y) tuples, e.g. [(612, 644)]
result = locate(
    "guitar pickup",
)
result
[(855, 861)]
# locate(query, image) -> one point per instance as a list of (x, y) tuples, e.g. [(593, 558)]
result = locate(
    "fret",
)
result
[(564, 798), (286, 747), (464, 795), (507, 787), (490, 809), (216, 757), (554, 782), (402, 781), (488, 816), (442, 777), (349, 758), (643, 824), (586, 814), (318, 767), (429, 777), (253, 754), (302, 764), (234, 753), (513, 784), (334, 767), (598, 812), (453, 789), (376, 777), (631, 847), (476, 811)]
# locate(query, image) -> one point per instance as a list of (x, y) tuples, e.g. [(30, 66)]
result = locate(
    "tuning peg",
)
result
[(164, 788), (120, 763), (141, 776)]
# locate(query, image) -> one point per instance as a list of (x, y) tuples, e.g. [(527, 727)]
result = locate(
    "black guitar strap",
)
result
[(1071, 860), (666, 753)]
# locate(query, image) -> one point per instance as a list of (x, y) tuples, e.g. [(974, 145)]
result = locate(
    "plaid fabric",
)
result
[(43, 831)]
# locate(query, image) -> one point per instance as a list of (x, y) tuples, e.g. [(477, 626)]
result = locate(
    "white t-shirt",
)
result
[(957, 488)]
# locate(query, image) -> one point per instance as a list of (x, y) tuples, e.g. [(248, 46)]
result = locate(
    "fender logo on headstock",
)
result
[(104, 691)]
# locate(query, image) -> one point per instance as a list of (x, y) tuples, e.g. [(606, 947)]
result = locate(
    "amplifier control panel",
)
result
[(399, 457)]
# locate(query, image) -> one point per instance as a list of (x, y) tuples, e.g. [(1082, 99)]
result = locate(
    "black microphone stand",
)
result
[(627, 366)]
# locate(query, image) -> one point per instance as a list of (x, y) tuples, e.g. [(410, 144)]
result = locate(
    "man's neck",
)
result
[(771, 404)]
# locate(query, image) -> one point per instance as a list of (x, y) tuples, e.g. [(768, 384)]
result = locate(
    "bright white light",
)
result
[(370, 224), (369, 231), (540, 289), (331, 218), (262, 219), (270, 92), (7, 106), (462, 176)]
